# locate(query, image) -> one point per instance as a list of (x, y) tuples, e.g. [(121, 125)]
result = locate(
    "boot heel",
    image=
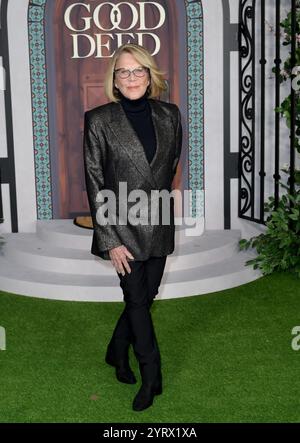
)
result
[(124, 373), (126, 376), (158, 390), (109, 361)]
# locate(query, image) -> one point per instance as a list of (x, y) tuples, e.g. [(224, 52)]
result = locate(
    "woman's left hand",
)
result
[(118, 258)]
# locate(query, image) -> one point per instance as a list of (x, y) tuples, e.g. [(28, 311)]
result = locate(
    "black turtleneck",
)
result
[(138, 112)]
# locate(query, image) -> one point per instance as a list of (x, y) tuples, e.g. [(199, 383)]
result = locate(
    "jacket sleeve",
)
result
[(178, 141), (94, 164)]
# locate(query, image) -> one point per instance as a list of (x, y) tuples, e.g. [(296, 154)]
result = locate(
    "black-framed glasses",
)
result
[(125, 73)]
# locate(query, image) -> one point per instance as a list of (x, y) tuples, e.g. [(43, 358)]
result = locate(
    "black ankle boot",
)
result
[(144, 397), (151, 386), (123, 371)]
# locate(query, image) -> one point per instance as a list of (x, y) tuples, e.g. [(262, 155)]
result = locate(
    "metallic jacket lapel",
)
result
[(129, 140)]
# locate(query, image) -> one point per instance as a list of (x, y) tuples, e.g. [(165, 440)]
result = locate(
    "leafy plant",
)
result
[(278, 247)]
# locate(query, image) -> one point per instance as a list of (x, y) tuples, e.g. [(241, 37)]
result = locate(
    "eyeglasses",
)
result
[(125, 73)]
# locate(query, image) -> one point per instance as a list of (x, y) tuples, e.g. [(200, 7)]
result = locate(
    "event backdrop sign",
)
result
[(71, 45)]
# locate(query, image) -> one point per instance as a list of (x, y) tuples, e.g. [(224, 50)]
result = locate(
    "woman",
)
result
[(134, 140)]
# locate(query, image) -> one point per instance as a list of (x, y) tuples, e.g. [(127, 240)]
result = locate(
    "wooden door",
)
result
[(80, 79)]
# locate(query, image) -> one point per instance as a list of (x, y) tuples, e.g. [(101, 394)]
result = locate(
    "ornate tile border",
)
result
[(39, 98), (39, 95), (194, 18)]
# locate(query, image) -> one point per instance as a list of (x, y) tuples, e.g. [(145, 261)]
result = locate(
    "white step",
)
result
[(29, 249), (200, 280), (56, 263), (65, 234)]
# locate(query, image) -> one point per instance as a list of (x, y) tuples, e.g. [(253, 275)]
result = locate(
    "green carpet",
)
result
[(226, 357)]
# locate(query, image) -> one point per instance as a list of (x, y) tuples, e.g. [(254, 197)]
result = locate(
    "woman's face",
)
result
[(132, 87)]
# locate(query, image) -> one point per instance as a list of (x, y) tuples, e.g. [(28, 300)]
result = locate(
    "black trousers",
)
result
[(135, 323)]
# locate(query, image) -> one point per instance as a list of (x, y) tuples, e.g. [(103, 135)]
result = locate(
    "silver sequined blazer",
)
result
[(113, 153)]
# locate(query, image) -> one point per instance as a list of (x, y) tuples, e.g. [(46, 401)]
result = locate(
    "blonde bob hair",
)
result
[(157, 82)]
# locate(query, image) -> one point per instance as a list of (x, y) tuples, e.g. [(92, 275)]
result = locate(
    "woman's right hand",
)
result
[(118, 258)]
